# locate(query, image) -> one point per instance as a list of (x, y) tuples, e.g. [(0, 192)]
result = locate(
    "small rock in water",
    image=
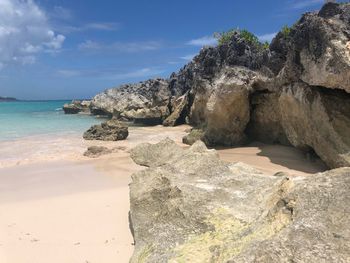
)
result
[(97, 151)]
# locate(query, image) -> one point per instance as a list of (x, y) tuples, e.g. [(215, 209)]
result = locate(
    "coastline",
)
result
[(75, 208)]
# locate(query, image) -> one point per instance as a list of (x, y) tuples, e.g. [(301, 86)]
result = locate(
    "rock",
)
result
[(179, 111), (147, 154), (145, 101), (265, 123), (222, 107), (193, 136), (319, 54), (97, 151), (111, 130), (77, 106), (193, 207), (317, 119), (234, 92)]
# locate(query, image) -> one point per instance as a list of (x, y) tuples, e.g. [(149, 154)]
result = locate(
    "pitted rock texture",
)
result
[(77, 106), (239, 91), (144, 102), (189, 206), (111, 130)]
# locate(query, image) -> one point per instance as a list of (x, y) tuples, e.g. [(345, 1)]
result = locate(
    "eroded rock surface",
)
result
[(77, 106), (145, 102), (240, 91), (111, 130), (189, 206), (318, 119)]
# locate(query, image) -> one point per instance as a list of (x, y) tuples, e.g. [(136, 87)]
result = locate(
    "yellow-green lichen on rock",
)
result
[(229, 237)]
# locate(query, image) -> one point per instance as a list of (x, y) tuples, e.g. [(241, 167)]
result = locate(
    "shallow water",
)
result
[(28, 118)]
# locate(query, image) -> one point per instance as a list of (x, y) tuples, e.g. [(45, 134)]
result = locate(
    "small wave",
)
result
[(59, 109)]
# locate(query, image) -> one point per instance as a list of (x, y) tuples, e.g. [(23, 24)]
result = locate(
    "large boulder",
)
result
[(190, 206), (221, 107), (317, 119), (320, 51), (144, 102), (111, 130), (77, 106)]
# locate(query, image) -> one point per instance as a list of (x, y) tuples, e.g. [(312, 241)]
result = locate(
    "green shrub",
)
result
[(266, 45), (250, 37), (224, 37), (286, 31)]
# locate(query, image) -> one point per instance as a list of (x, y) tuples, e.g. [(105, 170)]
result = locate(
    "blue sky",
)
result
[(75, 49)]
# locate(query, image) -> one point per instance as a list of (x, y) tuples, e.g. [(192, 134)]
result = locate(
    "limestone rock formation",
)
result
[(320, 50), (310, 65), (240, 90), (145, 102), (222, 108), (317, 119), (111, 130), (189, 206), (77, 106)]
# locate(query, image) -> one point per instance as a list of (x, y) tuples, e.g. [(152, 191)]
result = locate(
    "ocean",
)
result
[(29, 118)]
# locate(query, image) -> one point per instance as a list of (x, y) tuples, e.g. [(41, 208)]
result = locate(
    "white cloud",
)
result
[(24, 32), (203, 41), (267, 37), (130, 47), (98, 26), (140, 73), (111, 73), (69, 73), (188, 57), (300, 4)]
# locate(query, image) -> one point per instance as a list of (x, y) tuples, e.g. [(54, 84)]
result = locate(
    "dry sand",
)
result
[(58, 206)]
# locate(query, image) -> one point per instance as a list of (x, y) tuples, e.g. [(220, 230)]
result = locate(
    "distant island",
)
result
[(7, 99)]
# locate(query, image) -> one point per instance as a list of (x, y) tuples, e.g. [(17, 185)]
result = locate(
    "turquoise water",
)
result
[(27, 118)]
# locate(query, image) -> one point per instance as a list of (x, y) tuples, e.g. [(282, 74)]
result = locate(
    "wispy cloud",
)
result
[(97, 26), (267, 37), (140, 73), (130, 47), (300, 4), (68, 73), (203, 41), (188, 57), (112, 74), (61, 13)]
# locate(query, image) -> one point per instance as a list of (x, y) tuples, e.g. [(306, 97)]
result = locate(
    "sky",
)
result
[(64, 49)]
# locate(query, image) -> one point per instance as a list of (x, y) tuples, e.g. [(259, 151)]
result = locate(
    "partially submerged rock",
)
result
[(97, 151), (77, 106), (111, 130), (190, 206)]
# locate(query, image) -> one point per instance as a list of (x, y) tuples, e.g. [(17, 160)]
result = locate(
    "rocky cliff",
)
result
[(295, 92), (189, 206)]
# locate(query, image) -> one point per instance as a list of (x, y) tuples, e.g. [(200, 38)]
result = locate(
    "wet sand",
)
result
[(58, 206)]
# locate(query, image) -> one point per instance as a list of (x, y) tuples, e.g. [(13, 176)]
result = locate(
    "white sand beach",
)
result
[(58, 206)]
